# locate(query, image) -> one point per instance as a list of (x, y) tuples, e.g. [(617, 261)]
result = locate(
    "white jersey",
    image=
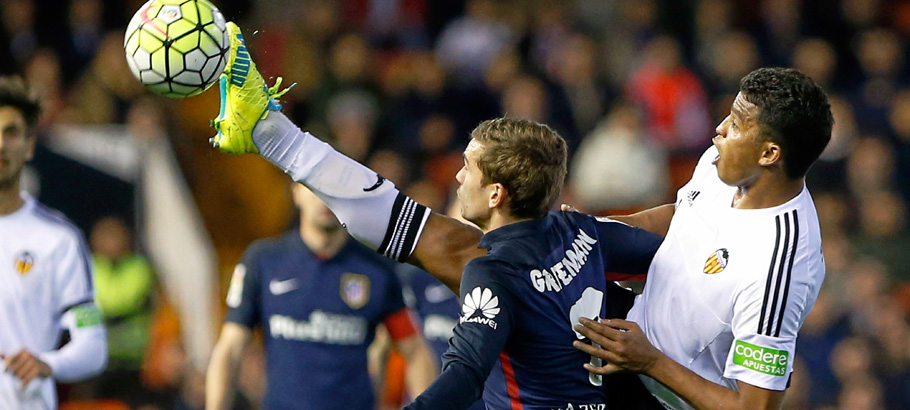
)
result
[(729, 288), (44, 271)]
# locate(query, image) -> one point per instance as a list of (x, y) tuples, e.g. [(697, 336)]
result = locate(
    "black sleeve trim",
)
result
[(405, 222), (781, 262), (72, 305)]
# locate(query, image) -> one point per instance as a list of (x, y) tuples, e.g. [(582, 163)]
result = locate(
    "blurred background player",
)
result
[(319, 297), (46, 274)]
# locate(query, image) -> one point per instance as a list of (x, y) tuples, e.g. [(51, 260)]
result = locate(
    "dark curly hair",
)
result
[(14, 92), (793, 112)]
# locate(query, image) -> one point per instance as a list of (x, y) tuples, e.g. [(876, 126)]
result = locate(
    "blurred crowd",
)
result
[(636, 87)]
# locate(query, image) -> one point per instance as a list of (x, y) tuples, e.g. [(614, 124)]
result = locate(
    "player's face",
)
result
[(472, 194), (313, 211), (739, 145), (16, 147)]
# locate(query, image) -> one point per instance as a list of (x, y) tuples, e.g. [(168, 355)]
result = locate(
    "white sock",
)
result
[(281, 142), (371, 208)]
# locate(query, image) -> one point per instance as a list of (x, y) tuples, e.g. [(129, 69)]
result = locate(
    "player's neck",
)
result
[(767, 192), (324, 243), (10, 200), (499, 219)]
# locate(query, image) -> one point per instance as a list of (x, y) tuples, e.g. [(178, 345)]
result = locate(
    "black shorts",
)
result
[(625, 391)]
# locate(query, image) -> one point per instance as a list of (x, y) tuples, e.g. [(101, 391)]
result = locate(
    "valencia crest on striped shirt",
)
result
[(717, 262), (24, 262)]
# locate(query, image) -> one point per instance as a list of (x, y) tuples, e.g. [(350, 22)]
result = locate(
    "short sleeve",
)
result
[(245, 292), (767, 315), (73, 273), (703, 168), (626, 249)]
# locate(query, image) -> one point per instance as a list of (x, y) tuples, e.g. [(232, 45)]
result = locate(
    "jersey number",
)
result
[(588, 305)]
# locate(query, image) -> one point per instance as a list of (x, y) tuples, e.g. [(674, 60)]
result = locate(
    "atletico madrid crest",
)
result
[(355, 290), (717, 262), (24, 262)]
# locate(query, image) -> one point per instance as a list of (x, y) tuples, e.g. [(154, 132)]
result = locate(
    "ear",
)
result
[(497, 195), (771, 154), (30, 142)]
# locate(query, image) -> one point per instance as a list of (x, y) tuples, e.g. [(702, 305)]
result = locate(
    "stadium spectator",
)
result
[(672, 98), (125, 289), (899, 121), (20, 35), (468, 44), (636, 176), (817, 58)]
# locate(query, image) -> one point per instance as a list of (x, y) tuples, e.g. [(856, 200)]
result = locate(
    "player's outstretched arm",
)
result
[(445, 247), (226, 357), (654, 220)]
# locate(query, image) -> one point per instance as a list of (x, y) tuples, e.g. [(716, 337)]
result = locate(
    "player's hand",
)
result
[(624, 346), (567, 208), (25, 366)]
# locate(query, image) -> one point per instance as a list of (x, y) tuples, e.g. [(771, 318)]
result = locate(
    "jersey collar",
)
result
[(515, 230), (27, 203)]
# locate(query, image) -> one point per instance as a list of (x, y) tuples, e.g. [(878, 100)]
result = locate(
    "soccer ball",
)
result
[(177, 48)]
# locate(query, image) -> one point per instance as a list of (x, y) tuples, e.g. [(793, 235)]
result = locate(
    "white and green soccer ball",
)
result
[(177, 48)]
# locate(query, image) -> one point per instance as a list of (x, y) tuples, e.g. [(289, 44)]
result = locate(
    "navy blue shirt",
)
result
[(513, 342), (437, 308), (319, 317)]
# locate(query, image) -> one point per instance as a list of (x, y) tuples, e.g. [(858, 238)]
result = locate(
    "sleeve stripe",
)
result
[(405, 224), (764, 304), (414, 229), (780, 274), (402, 229), (393, 222), (778, 301), (783, 303)]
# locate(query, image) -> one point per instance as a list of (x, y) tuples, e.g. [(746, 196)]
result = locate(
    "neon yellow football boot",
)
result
[(245, 99)]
